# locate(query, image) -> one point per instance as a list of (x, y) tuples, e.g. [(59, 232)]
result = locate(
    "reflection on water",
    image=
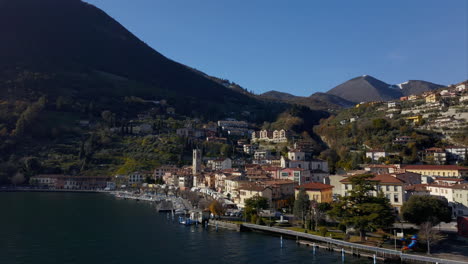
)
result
[(97, 228)]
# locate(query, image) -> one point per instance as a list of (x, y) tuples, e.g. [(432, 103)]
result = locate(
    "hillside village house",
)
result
[(319, 192), (376, 154), (432, 98), (434, 156), (457, 153), (392, 187), (438, 170), (297, 159), (220, 164), (403, 140), (381, 169), (262, 154), (415, 119), (298, 175), (160, 171), (276, 136), (461, 87)]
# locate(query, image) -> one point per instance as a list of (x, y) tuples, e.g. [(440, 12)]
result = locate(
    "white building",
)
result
[(457, 153), (375, 155), (220, 164), (392, 187)]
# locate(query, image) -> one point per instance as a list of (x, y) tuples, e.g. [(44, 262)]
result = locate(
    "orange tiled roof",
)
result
[(314, 186)]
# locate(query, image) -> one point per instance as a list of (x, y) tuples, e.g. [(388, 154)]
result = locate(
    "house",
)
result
[(273, 171), (233, 183), (282, 192), (376, 154), (404, 98), (463, 98), (334, 180), (252, 190), (392, 187), (438, 170), (456, 196), (248, 149), (457, 153), (276, 136), (416, 189), (460, 199), (413, 97), (262, 154), (59, 181), (160, 171), (234, 127), (393, 104), (319, 192), (136, 177), (403, 140), (298, 175), (434, 156), (380, 168), (461, 87), (448, 181), (220, 164), (432, 98), (415, 119)]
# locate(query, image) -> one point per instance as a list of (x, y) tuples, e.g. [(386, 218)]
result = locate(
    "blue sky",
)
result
[(302, 47)]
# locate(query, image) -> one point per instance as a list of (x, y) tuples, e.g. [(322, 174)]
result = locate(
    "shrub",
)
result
[(323, 231)]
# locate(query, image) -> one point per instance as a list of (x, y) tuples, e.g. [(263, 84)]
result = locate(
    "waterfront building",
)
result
[(319, 192), (252, 190), (60, 181), (392, 187)]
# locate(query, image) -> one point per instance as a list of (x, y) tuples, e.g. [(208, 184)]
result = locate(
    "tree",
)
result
[(216, 208), (428, 234), (257, 202), (361, 209), (426, 212), (420, 209), (18, 179), (302, 205)]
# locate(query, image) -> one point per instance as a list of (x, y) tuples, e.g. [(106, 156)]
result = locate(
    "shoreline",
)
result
[(325, 243)]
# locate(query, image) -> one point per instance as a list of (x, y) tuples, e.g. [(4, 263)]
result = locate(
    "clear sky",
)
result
[(305, 46)]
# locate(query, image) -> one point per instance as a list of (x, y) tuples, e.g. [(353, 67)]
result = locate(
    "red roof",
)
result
[(448, 179), (434, 167), (382, 178), (315, 186)]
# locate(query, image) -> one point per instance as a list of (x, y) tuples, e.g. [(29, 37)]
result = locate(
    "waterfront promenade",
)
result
[(352, 248)]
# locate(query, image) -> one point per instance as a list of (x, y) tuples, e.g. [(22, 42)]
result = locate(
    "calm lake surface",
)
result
[(97, 228)]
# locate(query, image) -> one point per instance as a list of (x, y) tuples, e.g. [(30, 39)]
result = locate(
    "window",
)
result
[(395, 188), (395, 198), (388, 188)]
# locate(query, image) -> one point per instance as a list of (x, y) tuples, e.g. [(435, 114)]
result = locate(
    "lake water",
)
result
[(97, 228)]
